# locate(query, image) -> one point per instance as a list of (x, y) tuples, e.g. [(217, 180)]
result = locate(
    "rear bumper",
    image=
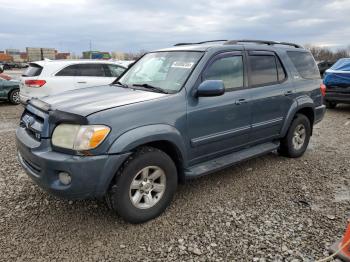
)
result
[(338, 97), (319, 113), (24, 99), (91, 175)]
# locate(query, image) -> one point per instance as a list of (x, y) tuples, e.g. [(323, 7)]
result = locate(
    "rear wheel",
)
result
[(14, 97), (331, 105), (294, 144), (144, 186)]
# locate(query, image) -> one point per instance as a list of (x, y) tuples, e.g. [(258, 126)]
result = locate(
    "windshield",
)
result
[(165, 70)]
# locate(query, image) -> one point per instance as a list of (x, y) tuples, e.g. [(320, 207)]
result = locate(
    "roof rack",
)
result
[(232, 42), (199, 43)]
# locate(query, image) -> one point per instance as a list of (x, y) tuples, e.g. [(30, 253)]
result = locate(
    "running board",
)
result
[(230, 160)]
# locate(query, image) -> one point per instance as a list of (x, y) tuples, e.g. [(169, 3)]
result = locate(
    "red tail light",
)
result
[(35, 83), (323, 89)]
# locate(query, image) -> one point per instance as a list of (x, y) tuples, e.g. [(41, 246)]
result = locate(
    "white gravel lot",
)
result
[(267, 209)]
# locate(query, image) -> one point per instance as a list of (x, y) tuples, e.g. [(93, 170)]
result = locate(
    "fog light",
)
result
[(64, 178)]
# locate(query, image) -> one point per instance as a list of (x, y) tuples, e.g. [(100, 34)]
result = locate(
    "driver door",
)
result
[(218, 125)]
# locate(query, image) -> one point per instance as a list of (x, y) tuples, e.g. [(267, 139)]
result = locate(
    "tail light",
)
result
[(35, 83), (323, 89)]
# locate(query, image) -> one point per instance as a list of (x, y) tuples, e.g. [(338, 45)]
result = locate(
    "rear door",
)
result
[(272, 96), (93, 74)]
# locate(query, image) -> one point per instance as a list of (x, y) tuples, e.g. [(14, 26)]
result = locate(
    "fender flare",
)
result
[(147, 134), (298, 104)]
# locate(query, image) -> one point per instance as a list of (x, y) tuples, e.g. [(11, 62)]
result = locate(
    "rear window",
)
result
[(305, 64), (90, 70), (263, 70), (32, 70), (96, 70)]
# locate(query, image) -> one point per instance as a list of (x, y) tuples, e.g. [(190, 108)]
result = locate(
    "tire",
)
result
[(14, 97), (331, 105), (294, 144), (128, 193)]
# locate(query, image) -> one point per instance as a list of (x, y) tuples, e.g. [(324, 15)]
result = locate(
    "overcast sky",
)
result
[(131, 25)]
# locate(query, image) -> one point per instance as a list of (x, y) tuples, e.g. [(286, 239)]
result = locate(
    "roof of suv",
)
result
[(240, 44)]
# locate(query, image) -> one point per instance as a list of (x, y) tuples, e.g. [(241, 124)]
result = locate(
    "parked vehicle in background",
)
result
[(337, 82), (324, 65), (177, 113), (49, 77), (2, 75), (9, 90)]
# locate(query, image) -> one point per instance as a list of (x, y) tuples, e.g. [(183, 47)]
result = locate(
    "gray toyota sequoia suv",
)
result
[(175, 114)]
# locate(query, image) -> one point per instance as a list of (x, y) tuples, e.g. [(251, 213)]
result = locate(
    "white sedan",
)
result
[(49, 77)]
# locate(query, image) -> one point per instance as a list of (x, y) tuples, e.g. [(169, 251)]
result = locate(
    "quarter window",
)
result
[(68, 71), (305, 64), (227, 69)]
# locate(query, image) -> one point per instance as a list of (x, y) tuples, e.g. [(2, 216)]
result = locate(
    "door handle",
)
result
[(241, 101), (81, 82), (288, 93)]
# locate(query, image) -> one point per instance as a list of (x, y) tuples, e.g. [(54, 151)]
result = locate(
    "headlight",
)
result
[(79, 137)]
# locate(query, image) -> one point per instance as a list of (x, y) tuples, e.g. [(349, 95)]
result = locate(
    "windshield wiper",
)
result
[(121, 84), (154, 88)]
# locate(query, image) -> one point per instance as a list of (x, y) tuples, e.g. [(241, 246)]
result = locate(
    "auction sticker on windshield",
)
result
[(179, 64)]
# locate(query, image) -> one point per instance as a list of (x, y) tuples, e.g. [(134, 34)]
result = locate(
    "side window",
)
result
[(305, 64), (227, 69), (68, 71), (280, 71), (263, 70), (90, 70), (115, 71)]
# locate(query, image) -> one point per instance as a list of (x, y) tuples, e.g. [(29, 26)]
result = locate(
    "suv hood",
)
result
[(90, 100)]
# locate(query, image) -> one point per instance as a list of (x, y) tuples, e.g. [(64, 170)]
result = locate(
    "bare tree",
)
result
[(326, 54)]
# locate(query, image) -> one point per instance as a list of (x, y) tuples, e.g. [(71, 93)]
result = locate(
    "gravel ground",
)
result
[(267, 209)]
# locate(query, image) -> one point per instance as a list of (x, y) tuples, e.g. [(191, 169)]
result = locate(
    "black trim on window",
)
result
[(265, 53), (225, 54)]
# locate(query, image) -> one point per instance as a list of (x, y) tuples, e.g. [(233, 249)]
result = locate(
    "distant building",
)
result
[(15, 53), (62, 56), (24, 56), (2, 52), (37, 54), (5, 58), (96, 55)]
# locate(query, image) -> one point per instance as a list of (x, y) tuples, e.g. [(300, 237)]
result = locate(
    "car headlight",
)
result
[(79, 137)]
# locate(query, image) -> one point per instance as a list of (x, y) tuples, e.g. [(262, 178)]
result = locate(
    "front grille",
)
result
[(33, 124)]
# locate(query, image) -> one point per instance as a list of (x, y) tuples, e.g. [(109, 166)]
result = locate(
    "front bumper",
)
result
[(91, 175)]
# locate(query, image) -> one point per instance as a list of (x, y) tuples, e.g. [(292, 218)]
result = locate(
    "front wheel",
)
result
[(14, 97), (294, 144), (144, 186)]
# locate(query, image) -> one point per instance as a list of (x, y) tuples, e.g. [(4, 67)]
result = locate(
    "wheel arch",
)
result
[(305, 106), (163, 137), (11, 90)]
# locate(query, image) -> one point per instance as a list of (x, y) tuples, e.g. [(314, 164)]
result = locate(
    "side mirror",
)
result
[(211, 88)]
